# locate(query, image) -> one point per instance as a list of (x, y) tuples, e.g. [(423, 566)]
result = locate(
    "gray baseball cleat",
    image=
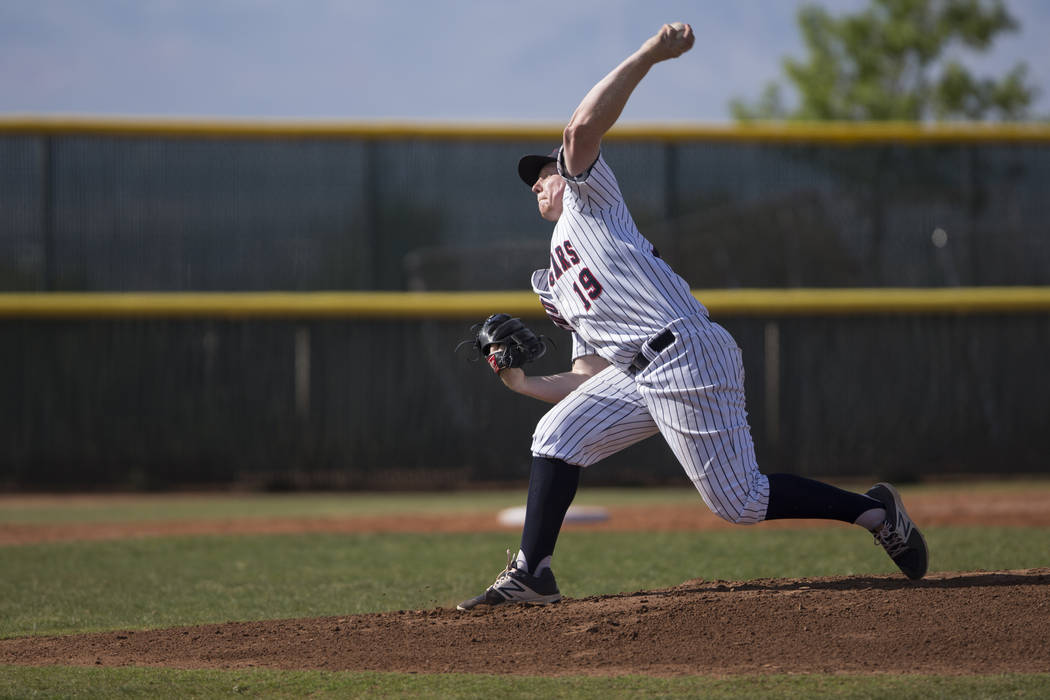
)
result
[(898, 534), (516, 586)]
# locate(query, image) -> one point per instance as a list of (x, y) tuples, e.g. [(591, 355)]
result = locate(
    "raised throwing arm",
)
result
[(602, 106)]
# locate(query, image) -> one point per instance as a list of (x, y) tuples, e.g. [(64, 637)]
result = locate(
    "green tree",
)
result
[(895, 60)]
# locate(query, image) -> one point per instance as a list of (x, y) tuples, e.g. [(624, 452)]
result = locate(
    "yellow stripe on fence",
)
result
[(477, 305), (842, 133), (955, 300)]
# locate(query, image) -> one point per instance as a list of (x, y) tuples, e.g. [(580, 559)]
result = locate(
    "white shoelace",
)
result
[(502, 578), (890, 539)]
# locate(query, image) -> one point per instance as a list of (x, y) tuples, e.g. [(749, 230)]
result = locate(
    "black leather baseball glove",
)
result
[(517, 343)]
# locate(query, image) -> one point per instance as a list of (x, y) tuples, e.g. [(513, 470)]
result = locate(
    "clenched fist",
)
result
[(671, 41)]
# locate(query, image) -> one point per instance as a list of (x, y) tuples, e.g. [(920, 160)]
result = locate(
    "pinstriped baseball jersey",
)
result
[(693, 394), (540, 285), (604, 278), (608, 287)]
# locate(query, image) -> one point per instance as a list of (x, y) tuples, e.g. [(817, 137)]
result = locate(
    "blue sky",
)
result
[(445, 60)]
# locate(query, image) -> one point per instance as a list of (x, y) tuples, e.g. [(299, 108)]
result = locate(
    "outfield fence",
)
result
[(276, 304), (366, 390), (122, 205)]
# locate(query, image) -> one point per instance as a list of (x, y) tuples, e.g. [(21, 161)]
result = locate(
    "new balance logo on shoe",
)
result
[(904, 525), (898, 534), (508, 587)]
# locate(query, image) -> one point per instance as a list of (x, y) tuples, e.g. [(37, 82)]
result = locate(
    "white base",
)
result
[(577, 514)]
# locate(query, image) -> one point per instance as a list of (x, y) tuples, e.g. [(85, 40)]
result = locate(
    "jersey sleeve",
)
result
[(580, 347), (595, 189)]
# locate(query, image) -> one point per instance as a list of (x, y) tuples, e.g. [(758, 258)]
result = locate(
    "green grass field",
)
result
[(106, 683), (67, 587)]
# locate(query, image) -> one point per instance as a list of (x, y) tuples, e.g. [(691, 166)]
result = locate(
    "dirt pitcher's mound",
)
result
[(980, 622)]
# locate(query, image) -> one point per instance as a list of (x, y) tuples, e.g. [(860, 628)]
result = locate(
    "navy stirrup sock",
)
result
[(552, 486), (793, 496)]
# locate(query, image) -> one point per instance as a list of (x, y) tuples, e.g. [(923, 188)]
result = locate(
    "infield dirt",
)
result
[(992, 622), (1009, 508), (948, 623)]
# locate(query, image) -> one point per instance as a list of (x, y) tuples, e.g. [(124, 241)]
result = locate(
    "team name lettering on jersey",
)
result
[(571, 252), (564, 257)]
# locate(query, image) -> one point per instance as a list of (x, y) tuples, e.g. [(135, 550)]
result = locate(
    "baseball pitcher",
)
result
[(646, 359)]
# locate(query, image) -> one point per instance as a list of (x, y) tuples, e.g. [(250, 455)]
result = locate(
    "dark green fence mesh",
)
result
[(347, 403), (149, 213)]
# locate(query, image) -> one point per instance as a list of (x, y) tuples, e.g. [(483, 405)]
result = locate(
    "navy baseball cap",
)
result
[(529, 167)]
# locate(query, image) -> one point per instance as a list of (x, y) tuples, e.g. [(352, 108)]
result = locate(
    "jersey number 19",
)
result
[(591, 286)]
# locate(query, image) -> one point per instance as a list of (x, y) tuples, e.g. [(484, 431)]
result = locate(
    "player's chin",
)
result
[(550, 213)]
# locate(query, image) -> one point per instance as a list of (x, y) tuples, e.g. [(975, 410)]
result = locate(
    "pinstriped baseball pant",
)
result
[(692, 393)]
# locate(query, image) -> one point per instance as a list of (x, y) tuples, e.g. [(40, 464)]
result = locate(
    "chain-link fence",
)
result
[(355, 403)]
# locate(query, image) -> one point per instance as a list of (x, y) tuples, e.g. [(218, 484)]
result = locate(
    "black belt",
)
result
[(657, 345)]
